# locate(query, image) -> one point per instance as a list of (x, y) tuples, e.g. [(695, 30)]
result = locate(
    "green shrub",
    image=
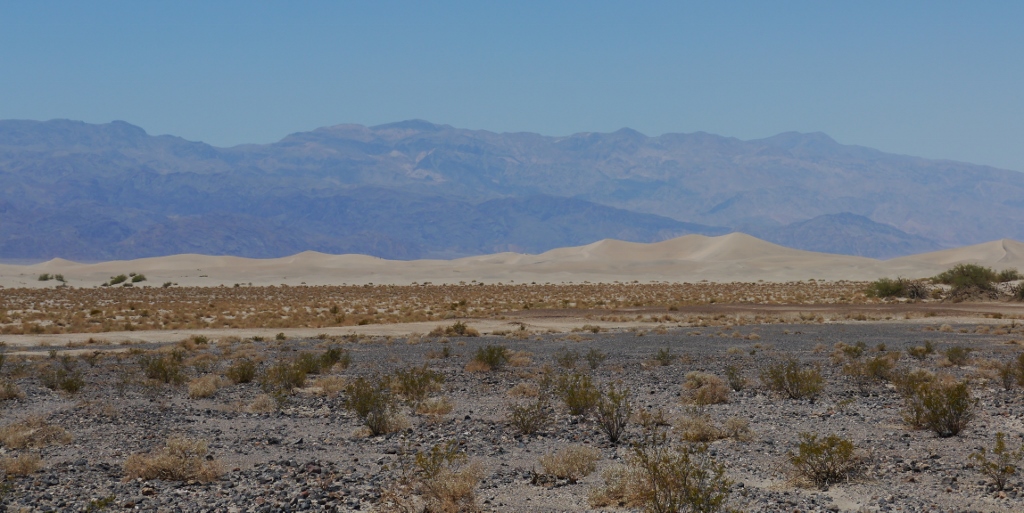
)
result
[(948, 408), (120, 278), (957, 355), (372, 401), (790, 379), (415, 383), (613, 412), (734, 376), (336, 356), (665, 357), (595, 358), (909, 385), (280, 337), (138, 278), (824, 461), (531, 417), (62, 375), (165, 368), (282, 377), (1007, 374), (242, 371), (673, 478), (1004, 463), (309, 363), (1008, 275), (578, 392), (45, 277), (886, 287), (962, 276), (566, 358), (492, 356)]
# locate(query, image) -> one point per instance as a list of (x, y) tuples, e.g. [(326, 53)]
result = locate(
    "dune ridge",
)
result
[(725, 258)]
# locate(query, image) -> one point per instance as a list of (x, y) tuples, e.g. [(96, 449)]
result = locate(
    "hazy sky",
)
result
[(934, 79)]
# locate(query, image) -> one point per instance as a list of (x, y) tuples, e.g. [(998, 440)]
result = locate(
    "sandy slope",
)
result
[(733, 257)]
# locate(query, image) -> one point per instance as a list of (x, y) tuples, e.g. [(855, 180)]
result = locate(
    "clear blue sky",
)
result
[(934, 79)]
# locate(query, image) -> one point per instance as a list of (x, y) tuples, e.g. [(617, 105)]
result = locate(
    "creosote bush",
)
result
[(373, 402), (415, 383), (595, 358), (664, 357), (941, 406), (165, 368), (530, 418), (440, 477), (493, 357), (668, 478), (962, 276), (734, 376), (63, 375), (459, 329), (1003, 463), (613, 411), (957, 355), (824, 461), (578, 392), (790, 379), (180, 459), (242, 371), (570, 463)]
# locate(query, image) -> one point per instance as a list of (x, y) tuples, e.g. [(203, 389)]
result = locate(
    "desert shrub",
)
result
[(737, 428), (308, 363), (204, 386), (336, 356), (34, 433), (9, 390), (120, 278), (908, 384), (45, 277), (570, 463), (672, 478), (566, 358), (595, 358), (664, 357), (1017, 292), (734, 376), (263, 403), (698, 427), (702, 389), (459, 329), (1003, 464), (444, 480), (948, 408), (330, 386), (1008, 275), (962, 276), (372, 401), (166, 368), (280, 337), (20, 465), (613, 412), (242, 371), (622, 488), (415, 383), (282, 377), (180, 459), (824, 461), (494, 357), (138, 278), (529, 418), (1007, 372), (578, 392), (790, 379), (435, 406), (887, 287), (1019, 369), (957, 355), (62, 375), (650, 420), (872, 370), (855, 351)]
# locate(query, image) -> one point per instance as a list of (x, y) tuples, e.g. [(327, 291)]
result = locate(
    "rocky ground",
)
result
[(311, 453)]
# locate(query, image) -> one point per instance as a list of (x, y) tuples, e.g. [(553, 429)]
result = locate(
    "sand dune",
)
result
[(733, 257)]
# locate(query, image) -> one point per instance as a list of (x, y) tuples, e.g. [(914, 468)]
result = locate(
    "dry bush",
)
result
[(242, 371), (790, 379), (623, 487), (20, 465), (649, 420), (33, 432), (374, 403), (477, 366), (520, 359), (699, 428), (824, 461), (702, 389), (180, 459), (529, 418), (205, 386), (524, 389), (677, 478), (330, 386), (10, 390), (263, 404), (570, 463), (436, 406), (737, 428)]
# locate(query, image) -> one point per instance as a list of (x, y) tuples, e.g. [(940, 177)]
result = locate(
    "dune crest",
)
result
[(690, 258)]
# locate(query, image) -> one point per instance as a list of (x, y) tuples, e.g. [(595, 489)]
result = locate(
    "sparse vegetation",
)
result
[(613, 411), (1003, 462), (570, 463), (963, 276), (529, 418), (180, 459), (792, 380), (372, 401), (578, 392), (702, 389), (493, 357), (33, 433), (824, 461)]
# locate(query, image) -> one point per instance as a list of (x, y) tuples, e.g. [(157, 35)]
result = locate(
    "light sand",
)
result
[(728, 258)]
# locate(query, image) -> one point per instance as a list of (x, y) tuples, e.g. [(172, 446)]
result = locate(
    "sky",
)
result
[(933, 79)]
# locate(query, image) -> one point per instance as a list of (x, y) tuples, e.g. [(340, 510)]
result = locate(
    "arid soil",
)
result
[(308, 452)]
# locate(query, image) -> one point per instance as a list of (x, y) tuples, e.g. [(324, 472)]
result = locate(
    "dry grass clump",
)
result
[(180, 459), (263, 403), (440, 481), (10, 390), (524, 389), (702, 389), (205, 386), (570, 463), (330, 386), (20, 465), (699, 428), (623, 488), (436, 406), (34, 433)]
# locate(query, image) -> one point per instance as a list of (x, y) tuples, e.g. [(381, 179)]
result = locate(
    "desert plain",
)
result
[(348, 383)]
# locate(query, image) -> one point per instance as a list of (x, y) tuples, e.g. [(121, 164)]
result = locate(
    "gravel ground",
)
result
[(312, 454)]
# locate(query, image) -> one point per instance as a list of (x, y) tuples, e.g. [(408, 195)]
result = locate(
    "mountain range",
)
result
[(414, 189)]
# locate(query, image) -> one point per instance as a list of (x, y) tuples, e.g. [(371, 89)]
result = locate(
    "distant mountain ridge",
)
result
[(414, 189)]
